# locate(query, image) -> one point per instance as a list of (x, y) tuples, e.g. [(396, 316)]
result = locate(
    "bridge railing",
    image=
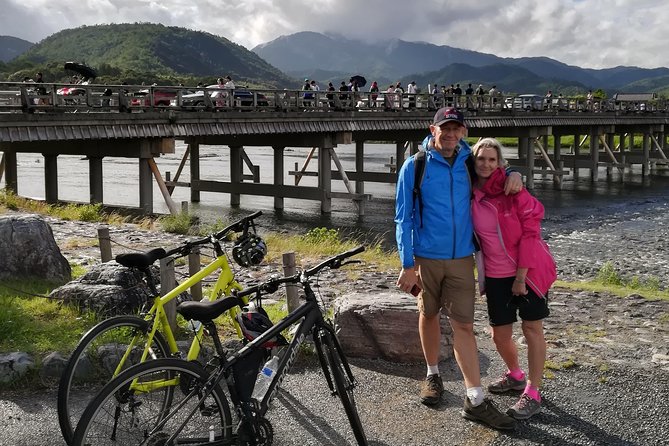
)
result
[(22, 97)]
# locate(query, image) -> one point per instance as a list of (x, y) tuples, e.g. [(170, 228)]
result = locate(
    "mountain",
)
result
[(303, 54), (154, 49), (11, 47)]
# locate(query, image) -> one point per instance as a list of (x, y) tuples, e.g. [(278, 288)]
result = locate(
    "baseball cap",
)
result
[(447, 114)]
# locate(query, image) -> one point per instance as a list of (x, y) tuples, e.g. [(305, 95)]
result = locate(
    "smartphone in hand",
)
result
[(416, 290)]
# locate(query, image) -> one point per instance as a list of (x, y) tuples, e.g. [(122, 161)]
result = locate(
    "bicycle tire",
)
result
[(86, 367), (118, 416), (342, 382)]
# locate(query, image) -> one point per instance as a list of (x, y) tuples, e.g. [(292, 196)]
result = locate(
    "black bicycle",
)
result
[(172, 401)]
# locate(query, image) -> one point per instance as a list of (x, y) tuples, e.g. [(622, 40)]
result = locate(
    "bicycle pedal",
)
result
[(208, 411)]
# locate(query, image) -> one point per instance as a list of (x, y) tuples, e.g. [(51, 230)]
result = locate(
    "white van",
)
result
[(528, 102)]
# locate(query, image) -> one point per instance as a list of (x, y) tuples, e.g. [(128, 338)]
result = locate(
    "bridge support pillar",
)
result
[(594, 153), (95, 179), (194, 172), (278, 174), (51, 178), (610, 138), (145, 186), (236, 172), (577, 151), (645, 167), (325, 175), (557, 160), (526, 152), (399, 155), (11, 173), (359, 169)]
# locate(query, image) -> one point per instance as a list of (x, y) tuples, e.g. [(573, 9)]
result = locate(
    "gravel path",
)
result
[(607, 384)]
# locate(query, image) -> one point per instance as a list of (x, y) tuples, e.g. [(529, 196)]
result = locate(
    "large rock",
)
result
[(14, 366), (28, 250), (384, 326), (108, 289)]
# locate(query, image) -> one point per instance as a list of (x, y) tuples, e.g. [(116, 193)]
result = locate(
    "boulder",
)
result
[(108, 289), (384, 326), (14, 366), (28, 250)]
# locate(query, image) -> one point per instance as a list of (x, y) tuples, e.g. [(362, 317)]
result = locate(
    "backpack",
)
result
[(419, 172)]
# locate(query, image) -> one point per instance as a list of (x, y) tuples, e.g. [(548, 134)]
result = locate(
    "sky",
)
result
[(586, 33)]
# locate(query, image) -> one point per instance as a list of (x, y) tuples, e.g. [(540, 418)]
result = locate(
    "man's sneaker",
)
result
[(506, 383), (524, 408), (430, 392), (487, 413)]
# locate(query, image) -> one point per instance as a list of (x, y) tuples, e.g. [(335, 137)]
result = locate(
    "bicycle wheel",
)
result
[(334, 365), (133, 408), (94, 360)]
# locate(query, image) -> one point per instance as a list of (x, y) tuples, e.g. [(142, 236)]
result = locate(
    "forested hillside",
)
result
[(146, 52)]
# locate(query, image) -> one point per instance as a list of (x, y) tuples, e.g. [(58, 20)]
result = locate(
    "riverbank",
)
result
[(606, 380)]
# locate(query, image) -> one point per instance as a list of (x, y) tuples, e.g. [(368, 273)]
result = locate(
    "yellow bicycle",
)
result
[(116, 343)]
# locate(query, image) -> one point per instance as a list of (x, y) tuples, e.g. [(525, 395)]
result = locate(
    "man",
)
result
[(435, 243), (412, 90)]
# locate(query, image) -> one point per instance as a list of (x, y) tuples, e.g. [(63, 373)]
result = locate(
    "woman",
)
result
[(515, 271)]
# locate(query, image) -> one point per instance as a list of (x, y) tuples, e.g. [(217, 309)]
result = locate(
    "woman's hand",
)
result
[(519, 288)]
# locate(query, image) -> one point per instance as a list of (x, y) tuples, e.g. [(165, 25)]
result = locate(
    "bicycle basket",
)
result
[(254, 322)]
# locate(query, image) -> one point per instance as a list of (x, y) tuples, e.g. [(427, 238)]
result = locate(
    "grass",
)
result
[(609, 280)]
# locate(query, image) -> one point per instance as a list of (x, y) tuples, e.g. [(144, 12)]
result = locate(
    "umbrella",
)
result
[(85, 71), (361, 81)]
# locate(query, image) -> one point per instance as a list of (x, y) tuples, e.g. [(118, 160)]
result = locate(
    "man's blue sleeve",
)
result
[(404, 213)]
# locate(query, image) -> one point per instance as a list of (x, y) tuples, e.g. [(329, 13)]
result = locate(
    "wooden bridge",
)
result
[(110, 121)]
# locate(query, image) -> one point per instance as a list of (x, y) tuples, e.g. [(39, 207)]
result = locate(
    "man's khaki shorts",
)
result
[(447, 285)]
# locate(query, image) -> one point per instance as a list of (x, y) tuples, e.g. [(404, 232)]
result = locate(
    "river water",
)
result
[(576, 204)]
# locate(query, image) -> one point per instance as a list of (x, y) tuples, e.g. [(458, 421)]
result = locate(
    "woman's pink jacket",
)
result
[(519, 226)]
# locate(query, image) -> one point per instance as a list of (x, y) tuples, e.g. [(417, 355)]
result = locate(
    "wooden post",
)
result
[(145, 186), (289, 269), (179, 169), (236, 172), (194, 267), (105, 244), (325, 177), (557, 157), (2, 165), (171, 205), (594, 153), (645, 167), (399, 155), (51, 178), (167, 283), (194, 171), (11, 172), (95, 179), (278, 174), (359, 169)]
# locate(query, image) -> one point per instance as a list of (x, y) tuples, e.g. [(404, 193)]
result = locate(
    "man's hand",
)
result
[(513, 183), (407, 279)]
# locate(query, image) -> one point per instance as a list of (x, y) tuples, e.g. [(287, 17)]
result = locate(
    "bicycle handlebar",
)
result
[(238, 226), (272, 285)]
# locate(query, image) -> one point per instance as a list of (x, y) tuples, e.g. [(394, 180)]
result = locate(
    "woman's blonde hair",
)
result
[(491, 143)]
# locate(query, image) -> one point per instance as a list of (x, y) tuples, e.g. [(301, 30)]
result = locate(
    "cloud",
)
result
[(587, 33)]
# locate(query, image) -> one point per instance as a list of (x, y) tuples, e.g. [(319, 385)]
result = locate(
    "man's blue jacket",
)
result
[(447, 230)]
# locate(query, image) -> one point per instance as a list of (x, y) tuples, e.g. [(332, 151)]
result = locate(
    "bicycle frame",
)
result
[(312, 319), (224, 286)]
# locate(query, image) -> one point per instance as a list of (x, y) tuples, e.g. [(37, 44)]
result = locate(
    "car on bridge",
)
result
[(527, 102), (162, 97), (219, 98)]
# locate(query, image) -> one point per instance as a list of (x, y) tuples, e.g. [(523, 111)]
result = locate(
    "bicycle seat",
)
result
[(207, 310), (140, 260)]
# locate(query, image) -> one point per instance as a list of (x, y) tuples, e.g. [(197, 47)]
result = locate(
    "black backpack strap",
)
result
[(419, 172)]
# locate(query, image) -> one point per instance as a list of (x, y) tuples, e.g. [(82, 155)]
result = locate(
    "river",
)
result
[(577, 202)]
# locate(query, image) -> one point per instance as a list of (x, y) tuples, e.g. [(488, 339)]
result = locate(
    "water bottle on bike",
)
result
[(265, 377)]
